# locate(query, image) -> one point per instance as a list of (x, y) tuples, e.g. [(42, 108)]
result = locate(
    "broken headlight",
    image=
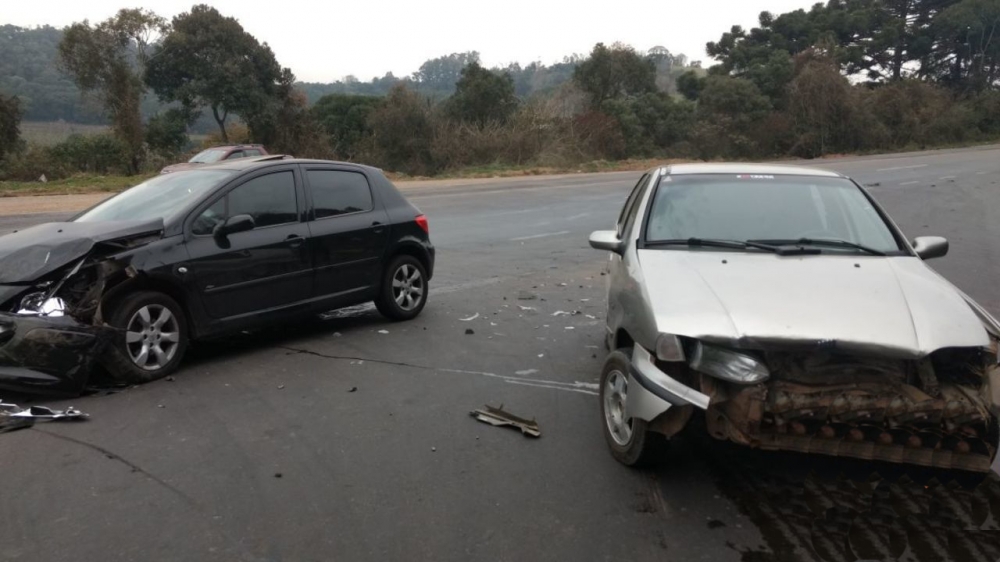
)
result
[(727, 364), (41, 304), (669, 348)]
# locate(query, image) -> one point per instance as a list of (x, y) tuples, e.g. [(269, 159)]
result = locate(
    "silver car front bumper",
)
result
[(652, 392)]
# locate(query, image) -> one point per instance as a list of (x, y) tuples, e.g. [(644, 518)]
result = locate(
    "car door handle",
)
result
[(378, 227), (294, 240)]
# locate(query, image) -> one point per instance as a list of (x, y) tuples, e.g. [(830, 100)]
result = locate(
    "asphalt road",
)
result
[(350, 439)]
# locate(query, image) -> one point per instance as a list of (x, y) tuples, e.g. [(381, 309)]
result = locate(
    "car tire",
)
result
[(631, 443), (404, 289), (151, 337)]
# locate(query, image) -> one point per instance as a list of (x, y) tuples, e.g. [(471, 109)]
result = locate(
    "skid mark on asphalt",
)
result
[(115, 457), (576, 386)]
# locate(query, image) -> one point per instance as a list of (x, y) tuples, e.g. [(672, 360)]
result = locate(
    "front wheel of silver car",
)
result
[(628, 438), (150, 338)]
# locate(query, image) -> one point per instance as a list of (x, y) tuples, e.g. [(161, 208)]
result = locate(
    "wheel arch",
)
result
[(144, 282)]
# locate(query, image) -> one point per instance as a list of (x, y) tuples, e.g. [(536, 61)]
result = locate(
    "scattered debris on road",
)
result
[(14, 417), (498, 417), (353, 389), (469, 331), (469, 319), (383, 332), (526, 296), (526, 372)]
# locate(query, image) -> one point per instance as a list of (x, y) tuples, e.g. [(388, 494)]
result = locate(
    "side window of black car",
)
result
[(269, 199), (210, 218), (338, 192)]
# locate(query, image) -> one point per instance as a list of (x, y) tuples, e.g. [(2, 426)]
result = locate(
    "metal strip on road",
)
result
[(535, 236), (902, 168)]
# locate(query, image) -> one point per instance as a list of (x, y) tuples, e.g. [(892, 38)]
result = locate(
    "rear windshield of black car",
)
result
[(160, 197), (764, 207)]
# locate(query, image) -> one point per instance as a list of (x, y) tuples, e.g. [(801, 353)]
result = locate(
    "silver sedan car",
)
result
[(785, 306)]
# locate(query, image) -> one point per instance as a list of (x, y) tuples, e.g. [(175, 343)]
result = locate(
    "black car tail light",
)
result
[(422, 223)]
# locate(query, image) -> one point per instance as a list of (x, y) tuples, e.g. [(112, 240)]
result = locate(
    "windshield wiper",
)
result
[(829, 242), (714, 243)]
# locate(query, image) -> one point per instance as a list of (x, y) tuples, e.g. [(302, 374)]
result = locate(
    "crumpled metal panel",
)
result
[(34, 252)]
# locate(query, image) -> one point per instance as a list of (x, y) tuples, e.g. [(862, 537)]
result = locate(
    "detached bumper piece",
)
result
[(48, 355), (499, 417), (652, 392)]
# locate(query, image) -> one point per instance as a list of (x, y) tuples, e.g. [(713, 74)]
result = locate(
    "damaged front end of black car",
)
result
[(53, 280)]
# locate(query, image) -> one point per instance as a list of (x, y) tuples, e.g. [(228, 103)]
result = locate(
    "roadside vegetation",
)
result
[(845, 77)]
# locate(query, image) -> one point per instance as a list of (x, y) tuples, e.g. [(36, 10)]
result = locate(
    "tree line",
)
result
[(844, 76)]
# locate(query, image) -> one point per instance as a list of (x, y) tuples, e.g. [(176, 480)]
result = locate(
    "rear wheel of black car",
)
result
[(631, 443), (404, 289), (151, 338)]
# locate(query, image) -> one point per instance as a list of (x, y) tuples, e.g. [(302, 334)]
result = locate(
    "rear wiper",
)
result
[(713, 243), (829, 242)]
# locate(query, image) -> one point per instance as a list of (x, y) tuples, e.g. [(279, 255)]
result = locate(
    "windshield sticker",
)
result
[(753, 177)]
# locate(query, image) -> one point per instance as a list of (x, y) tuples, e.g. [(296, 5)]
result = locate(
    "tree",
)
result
[(441, 74), (482, 96), (966, 53), (208, 60), (402, 132), (166, 132), (10, 125), (821, 104), (690, 84), (109, 60), (345, 118), (614, 72)]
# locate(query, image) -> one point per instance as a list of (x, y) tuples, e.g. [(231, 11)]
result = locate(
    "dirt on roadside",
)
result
[(49, 203)]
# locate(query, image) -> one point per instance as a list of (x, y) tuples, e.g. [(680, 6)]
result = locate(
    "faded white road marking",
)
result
[(909, 182), (981, 173), (902, 168), (544, 235), (947, 177), (580, 216)]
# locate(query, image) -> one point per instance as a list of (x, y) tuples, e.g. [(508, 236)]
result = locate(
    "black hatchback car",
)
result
[(201, 253)]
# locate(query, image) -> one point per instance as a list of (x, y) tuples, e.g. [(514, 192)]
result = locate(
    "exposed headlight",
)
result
[(36, 304), (668, 348), (728, 365)]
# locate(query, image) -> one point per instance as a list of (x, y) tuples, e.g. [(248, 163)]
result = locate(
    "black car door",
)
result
[(349, 231), (265, 268)]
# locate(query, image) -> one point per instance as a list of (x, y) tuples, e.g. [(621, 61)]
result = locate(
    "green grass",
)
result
[(48, 133), (83, 183)]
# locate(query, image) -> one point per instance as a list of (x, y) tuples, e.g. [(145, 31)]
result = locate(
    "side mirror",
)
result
[(606, 240), (928, 247), (234, 224)]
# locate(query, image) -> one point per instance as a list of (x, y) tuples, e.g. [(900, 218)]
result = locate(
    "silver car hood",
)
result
[(886, 305)]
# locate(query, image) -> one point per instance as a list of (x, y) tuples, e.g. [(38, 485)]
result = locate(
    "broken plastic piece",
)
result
[(469, 319), (498, 417), (39, 413)]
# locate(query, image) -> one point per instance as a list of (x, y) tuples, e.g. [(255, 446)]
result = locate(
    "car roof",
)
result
[(753, 169), (244, 164)]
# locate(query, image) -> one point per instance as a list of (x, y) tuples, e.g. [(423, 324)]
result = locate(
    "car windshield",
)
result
[(767, 209), (159, 197), (209, 156)]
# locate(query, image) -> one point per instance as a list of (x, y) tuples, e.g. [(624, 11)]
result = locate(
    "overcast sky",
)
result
[(325, 41)]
